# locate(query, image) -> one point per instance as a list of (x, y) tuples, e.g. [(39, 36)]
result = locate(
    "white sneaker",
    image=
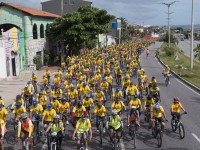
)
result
[(104, 130), (98, 131), (67, 122)]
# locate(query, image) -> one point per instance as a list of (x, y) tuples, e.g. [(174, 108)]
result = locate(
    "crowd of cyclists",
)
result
[(79, 91)]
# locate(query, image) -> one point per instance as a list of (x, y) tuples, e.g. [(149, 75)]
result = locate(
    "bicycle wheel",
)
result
[(134, 138), (53, 147), (167, 81), (159, 138), (181, 131), (115, 143), (100, 132), (173, 125)]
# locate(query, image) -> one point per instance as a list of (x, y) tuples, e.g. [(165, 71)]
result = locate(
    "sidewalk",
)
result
[(12, 86)]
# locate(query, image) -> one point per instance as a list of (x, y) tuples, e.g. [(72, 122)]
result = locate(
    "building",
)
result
[(61, 7), (22, 37)]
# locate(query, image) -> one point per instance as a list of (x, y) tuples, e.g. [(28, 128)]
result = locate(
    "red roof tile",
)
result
[(30, 11)]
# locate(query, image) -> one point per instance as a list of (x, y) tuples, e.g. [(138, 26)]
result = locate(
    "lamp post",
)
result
[(168, 13), (192, 37)]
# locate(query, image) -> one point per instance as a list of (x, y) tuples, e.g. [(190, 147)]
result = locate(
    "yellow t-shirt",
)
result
[(132, 90), (19, 111), (85, 90), (118, 106), (56, 104), (87, 102), (135, 102), (36, 110), (3, 113), (148, 102), (83, 126), (48, 114), (104, 85), (73, 94), (176, 107), (78, 112), (101, 112), (47, 73), (157, 113), (117, 95), (64, 107), (42, 100), (99, 96), (44, 80), (2, 102), (125, 83)]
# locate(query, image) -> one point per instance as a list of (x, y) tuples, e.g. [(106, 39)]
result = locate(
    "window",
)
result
[(35, 34), (46, 29), (41, 31)]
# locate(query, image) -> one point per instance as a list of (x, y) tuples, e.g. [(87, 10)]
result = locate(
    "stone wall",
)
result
[(34, 46)]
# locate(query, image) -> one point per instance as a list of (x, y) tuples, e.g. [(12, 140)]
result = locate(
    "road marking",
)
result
[(181, 82), (196, 137), (122, 144)]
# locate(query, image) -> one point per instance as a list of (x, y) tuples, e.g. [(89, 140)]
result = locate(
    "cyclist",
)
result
[(104, 85), (18, 110), (52, 92), (83, 125), (58, 92), (148, 103), (84, 89), (56, 127), (44, 81), (25, 128), (77, 112), (87, 103), (47, 116), (118, 105), (117, 94), (18, 99), (42, 99), (73, 94), (119, 75), (64, 108), (2, 132), (63, 65), (69, 75), (135, 102), (155, 91), (176, 107), (59, 73), (47, 73), (131, 91), (3, 112), (125, 84), (99, 95), (166, 70), (28, 92), (140, 71), (114, 123), (56, 104), (100, 115), (133, 116), (152, 82), (2, 101), (157, 111)]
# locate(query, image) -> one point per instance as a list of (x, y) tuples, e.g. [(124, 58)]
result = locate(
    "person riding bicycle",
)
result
[(42, 89), (117, 94), (83, 126), (136, 102), (77, 112), (118, 105), (87, 103), (104, 85), (166, 70), (2, 132), (155, 91), (52, 92), (3, 112), (84, 89), (44, 80), (73, 94), (47, 73), (140, 71), (65, 108), (42, 99), (58, 92), (69, 75), (148, 103), (99, 95), (56, 127), (157, 111), (59, 73), (25, 128), (114, 124), (34, 78), (57, 80), (152, 82), (133, 116), (18, 110), (100, 115), (2, 101), (36, 111), (56, 104), (28, 91), (18, 99), (47, 116), (176, 107)]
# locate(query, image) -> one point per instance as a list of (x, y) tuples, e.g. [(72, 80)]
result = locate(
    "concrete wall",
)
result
[(3, 73), (69, 6)]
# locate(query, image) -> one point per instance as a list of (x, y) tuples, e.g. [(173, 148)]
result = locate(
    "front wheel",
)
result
[(159, 138), (134, 138), (181, 131), (53, 147)]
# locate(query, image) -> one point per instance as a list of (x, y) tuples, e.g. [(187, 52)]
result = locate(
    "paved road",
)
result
[(171, 141), (185, 46)]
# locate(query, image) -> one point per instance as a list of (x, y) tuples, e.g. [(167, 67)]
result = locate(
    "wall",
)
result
[(52, 6), (34, 46), (3, 73)]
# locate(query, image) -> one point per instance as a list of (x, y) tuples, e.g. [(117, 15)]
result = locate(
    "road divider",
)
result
[(196, 137)]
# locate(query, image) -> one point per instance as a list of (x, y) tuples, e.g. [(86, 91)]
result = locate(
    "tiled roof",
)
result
[(30, 11)]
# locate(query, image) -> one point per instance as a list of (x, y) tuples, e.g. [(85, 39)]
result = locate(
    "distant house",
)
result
[(61, 7), (22, 37)]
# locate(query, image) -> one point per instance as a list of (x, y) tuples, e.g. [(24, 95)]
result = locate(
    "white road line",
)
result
[(182, 82), (122, 144), (196, 137)]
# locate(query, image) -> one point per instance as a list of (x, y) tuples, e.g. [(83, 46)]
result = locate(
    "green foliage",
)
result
[(38, 61), (80, 29), (197, 52), (166, 38)]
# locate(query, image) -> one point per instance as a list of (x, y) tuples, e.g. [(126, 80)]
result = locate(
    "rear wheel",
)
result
[(134, 138), (53, 147), (173, 125), (181, 131), (100, 132)]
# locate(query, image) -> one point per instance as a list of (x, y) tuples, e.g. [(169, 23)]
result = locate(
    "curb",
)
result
[(181, 79)]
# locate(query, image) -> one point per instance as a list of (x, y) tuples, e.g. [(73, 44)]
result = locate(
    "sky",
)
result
[(147, 12)]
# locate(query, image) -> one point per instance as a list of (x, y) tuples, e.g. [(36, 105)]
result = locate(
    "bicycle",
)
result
[(157, 132), (147, 115), (26, 144), (177, 124), (100, 124), (52, 141), (132, 131), (115, 141), (167, 79)]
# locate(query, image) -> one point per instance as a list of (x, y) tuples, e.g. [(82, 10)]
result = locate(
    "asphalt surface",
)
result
[(185, 46), (171, 140)]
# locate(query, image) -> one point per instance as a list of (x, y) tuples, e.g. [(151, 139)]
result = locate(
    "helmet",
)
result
[(84, 117), (176, 99), (18, 104), (1, 105), (72, 88), (56, 116), (153, 78), (104, 79), (149, 97), (35, 103), (157, 106), (42, 88), (80, 104), (40, 93), (135, 96), (64, 100), (24, 116), (52, 87), (154, 85), (117, 89), (114, 112), (18, 97), (87, 95), (29, 82), (84, 84), (50, 105), (131, 83)]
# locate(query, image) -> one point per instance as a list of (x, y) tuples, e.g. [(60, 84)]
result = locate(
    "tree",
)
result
[(197, 52), (80, 29)]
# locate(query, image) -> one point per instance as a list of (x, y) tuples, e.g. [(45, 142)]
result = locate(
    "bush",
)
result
[(169, 52), (46, 57), (38, 61)]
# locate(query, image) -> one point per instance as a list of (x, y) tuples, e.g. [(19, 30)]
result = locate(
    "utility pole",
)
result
[(168, 13), (192, 37)]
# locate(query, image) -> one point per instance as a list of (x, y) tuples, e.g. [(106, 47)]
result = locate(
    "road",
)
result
[(185, 46), (171, 141)]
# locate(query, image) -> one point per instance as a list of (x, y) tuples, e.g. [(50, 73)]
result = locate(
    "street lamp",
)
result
[(168, 5), (192, 36)]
